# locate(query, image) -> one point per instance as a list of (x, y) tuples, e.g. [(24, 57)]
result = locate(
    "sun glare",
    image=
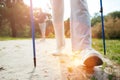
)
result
[(44, 4), (76, 62)]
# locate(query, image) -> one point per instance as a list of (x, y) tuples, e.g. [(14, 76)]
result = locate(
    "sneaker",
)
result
[(91, 58), (59, 52), (42, 40)]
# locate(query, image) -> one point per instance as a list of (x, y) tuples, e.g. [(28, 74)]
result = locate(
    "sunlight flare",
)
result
[(76, 62), (44, 4)]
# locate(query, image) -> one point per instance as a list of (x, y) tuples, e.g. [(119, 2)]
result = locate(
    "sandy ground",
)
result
[(16, 63)]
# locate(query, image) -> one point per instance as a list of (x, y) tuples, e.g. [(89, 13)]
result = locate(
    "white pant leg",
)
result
[(58, 21), (80, 25), (42, 27)]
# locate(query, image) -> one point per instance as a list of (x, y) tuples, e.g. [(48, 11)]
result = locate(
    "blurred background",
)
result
[(15, 18)]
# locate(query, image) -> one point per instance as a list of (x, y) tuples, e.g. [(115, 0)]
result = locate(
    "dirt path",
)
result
[(16, 62)]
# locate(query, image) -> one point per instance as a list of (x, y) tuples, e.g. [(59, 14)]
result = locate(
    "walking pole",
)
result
[(33, 30), (103, 32)]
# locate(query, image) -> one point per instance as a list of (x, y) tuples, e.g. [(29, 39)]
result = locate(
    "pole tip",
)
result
[(34, 62)]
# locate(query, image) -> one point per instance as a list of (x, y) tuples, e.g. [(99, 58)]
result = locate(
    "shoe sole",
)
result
[(59, 54), (93, 61)]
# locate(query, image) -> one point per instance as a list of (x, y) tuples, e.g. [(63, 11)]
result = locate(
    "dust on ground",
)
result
[(16, 63)]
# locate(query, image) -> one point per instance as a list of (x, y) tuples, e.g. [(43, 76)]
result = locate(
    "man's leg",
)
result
[(42, 27), (58, 21), (81, 33), (80, 25)]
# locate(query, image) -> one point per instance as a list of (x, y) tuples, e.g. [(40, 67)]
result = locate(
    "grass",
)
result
[(112, 48), (10, 38)]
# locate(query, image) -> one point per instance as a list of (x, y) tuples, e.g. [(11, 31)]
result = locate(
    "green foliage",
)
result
[(5, 29), (103, 66), (11, 38), (51, 35), (110, 77), (115, 14), (16, 16), (96, 19), (93, 78), (15, 22), (111, 26)]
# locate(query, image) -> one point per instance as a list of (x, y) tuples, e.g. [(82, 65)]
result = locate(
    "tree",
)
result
[(96, 19), (112, 28), (16, 13), (115, 14)]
